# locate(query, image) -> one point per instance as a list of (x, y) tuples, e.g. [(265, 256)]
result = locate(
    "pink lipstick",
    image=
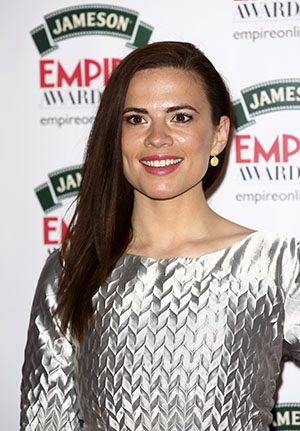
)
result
[(160, 164)]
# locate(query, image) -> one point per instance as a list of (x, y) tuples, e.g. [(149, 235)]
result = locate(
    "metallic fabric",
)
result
[(180, 344)]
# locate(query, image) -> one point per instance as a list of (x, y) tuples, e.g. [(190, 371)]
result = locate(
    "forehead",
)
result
[(166, 82)]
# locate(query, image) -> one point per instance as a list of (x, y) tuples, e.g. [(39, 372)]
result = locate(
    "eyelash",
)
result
[(130, 118), (184, 114)]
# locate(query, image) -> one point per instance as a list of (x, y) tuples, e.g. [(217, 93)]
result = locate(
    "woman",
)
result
[(166, 315)]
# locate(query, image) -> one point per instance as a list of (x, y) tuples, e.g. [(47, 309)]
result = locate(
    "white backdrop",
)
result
[(54, 67)]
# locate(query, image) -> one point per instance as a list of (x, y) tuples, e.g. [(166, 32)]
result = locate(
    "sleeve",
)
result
[(292, 306), (48, 395)]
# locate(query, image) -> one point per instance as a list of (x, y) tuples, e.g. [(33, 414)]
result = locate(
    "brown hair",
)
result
[(100, 230)]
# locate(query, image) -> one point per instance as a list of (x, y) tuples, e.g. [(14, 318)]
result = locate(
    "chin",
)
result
[(161, 194)]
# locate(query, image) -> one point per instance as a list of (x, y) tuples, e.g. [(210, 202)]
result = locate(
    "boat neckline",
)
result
[(206, 255)]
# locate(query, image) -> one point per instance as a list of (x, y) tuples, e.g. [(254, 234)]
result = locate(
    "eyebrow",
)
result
[(132, 109), (179, 107), (170, 109)]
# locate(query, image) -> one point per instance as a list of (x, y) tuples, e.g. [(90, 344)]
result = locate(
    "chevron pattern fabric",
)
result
[(182, 344)]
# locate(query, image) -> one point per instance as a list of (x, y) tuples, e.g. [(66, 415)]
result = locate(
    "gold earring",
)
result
[(214, 161)]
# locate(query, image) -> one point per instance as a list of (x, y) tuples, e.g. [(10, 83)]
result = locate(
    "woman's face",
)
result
[(167, 133)]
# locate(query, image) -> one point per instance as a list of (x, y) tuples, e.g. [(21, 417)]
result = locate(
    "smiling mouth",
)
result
[(161, 163)]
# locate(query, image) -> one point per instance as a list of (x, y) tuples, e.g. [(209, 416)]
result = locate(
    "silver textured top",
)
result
[(176, 344)]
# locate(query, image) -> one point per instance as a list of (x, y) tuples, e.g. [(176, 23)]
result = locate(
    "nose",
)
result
[(158, 135)]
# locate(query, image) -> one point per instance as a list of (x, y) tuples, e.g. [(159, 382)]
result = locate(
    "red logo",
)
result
[(85, 72), (249, 149)]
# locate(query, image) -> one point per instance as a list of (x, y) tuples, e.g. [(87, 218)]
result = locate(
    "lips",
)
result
[(160, 157), (161, 164)]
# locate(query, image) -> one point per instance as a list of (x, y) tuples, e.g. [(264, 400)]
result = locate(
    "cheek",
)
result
[(129, 142), (123, 142), (129, 162), (126, 164), (126, 146), (126, 139), (198, 146), (127, 171), (128, 157), (196, 139)]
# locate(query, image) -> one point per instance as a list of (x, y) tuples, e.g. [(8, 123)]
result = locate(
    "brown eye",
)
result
[(135, 119), (182, 117)]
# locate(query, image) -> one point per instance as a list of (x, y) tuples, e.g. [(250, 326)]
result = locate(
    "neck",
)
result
[(169, 224)]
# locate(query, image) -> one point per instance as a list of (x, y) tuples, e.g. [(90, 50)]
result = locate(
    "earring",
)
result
[(214, 161)]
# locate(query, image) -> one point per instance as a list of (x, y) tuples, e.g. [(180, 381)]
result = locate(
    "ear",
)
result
[(221, 135)]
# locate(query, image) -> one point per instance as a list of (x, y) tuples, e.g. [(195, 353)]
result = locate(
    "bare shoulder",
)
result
[(230, 231), (224, 234)]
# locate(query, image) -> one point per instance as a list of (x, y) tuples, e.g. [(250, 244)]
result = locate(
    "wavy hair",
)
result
[(100, 230)]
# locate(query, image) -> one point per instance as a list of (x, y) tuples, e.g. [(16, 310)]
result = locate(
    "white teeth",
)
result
[(160, 163)]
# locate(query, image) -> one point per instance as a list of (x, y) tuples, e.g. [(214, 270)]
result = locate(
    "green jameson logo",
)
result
[(90, 19), (61, 185), (287, 417), (266, 97)]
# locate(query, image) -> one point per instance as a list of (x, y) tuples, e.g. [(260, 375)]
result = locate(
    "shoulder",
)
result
[(275, 254), (48, 282), (256, 243), (268, 252), (274, 245), (264, 259), (52, 268)]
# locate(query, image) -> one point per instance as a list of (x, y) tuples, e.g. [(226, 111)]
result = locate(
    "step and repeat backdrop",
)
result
[(56, 59)]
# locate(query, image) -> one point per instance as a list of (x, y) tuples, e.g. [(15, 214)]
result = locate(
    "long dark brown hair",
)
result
[(100, 230)]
